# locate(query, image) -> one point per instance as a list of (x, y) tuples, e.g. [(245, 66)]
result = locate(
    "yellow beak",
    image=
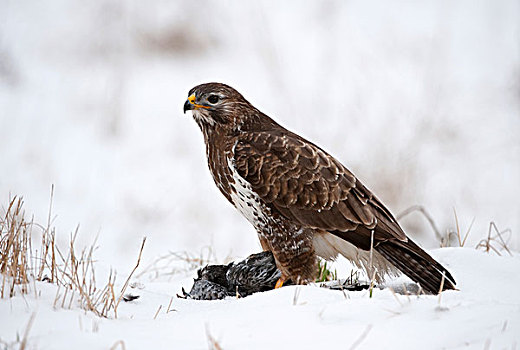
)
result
[(190, 104)]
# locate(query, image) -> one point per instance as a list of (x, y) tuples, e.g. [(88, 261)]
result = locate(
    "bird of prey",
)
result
[(302, 201)]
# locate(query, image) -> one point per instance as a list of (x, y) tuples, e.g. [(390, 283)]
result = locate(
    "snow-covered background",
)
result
[(421, 100)]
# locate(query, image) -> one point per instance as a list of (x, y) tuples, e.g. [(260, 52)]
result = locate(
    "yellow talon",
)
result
[(279, 284)]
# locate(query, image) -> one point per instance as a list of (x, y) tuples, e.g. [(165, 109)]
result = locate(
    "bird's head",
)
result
[(215, 104)]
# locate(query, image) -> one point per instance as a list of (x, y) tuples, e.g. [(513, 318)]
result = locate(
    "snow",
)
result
[(483, 313)]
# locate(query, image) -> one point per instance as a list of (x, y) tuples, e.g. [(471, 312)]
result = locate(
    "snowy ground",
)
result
[(483, 314)]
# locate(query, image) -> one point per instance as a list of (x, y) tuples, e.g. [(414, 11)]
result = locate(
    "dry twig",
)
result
[(130, 276), (361, 337), (428, 217), (213, 344), (487, 243)]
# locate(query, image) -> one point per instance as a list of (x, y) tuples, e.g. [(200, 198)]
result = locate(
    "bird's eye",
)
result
[(213, 99)]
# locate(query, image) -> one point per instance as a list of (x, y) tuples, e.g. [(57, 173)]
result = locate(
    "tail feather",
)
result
[(416, 264)]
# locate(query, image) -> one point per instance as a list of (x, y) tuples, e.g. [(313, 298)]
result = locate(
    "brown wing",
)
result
[(310, 187)]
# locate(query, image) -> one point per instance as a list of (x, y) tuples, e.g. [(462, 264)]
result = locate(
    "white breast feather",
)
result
[(245, 199)]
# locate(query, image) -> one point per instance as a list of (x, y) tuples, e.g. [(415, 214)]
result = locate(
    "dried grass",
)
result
[(373, 270), (361, 337), (121, 294), (118, 344), (213, 344), (73, 272), (495, 242), (15, 258), (23, 343), (429, 218), (77, 275), (462, 242)]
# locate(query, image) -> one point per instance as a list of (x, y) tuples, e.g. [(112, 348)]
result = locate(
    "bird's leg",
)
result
[(279, 283), (294, 255)]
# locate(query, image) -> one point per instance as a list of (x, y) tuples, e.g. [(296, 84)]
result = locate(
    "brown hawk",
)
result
[(302, 201)]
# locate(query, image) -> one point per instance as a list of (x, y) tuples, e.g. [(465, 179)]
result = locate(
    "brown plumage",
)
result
[(302, 201)]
